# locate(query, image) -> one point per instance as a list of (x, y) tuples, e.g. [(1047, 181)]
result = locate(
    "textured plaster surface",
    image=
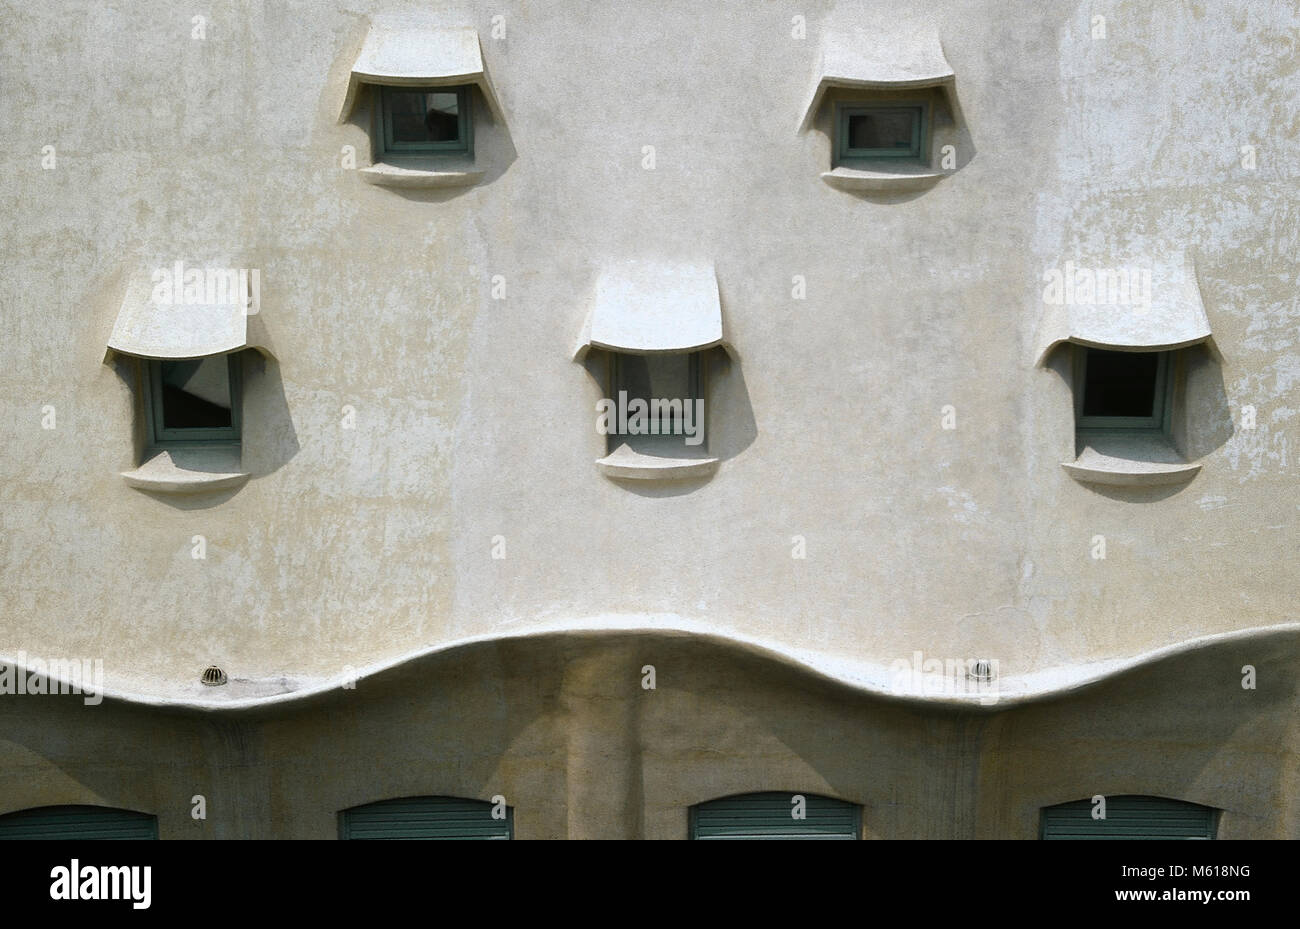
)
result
[(409, 418)]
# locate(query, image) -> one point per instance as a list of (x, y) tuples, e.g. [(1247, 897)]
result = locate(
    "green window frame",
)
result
[(160, 434), (844, 112), (462, 145), (425, 818), (694, 388), (1161, 402), (1130, 816), (768, 815), (78, 822)]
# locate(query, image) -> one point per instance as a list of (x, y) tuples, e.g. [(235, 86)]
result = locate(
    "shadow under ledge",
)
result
[(648, 462), (1130, 461), (198, 470)]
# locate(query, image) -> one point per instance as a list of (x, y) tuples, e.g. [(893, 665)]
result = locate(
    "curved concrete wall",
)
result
[(411, 418), (562, 727), (352, 545)]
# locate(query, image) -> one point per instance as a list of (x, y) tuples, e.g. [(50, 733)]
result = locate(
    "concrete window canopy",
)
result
[(400, 53), (1122, 313), (878, 70), (649, 308), (151, 331)]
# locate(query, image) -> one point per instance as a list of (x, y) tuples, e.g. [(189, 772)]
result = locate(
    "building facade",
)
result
[(330, 511)]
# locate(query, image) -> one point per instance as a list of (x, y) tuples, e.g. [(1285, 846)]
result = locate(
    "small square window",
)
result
[(1123, 390), (666, 383), (869, 132), (425, 120), (195, 400)]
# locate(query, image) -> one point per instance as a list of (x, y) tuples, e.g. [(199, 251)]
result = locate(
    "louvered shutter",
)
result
[(78, 822), (425, 818), (1130, 817), (768, 816)]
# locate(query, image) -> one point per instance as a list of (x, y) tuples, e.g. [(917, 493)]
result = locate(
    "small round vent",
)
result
[(214, 676), (981, 670)]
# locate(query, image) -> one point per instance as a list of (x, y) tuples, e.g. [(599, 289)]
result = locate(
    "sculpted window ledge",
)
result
[(644, 464), (202, 469), (1130, 461), (899, 178), (417, 172)]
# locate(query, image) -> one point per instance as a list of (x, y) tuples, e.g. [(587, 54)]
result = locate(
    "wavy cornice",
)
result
[(870, 679)]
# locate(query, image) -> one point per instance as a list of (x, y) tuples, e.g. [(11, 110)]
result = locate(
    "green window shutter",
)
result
[(1130, 817), (425, 818), (769, 816), (78, 822)]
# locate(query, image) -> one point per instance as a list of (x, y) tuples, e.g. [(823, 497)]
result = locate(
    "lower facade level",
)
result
[(569, 736)]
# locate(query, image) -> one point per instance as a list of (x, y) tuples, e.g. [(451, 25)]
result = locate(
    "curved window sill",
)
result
[(421, 173), (1130, 461), (188, 471), (882, 179), (626, 463)]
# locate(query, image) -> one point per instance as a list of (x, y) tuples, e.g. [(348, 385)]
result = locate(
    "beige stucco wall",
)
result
[(355, 548), (472, 422)]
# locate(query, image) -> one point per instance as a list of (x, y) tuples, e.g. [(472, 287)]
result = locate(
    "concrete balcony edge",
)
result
[(867, 678)]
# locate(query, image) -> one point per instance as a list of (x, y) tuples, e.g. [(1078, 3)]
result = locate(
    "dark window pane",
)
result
[(661, 377), (886, 129), (196, 394), (424, 116), (1120, 383)]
